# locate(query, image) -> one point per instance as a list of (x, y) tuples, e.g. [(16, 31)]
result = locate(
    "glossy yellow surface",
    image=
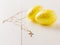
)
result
[(46, 18), (33, 12)]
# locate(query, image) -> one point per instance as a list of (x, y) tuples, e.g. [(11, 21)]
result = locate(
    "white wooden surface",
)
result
[(10, 33)]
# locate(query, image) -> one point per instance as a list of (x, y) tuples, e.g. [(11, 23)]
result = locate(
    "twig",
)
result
[(12, 17), (29, 31), (25, 28), (15, 20)]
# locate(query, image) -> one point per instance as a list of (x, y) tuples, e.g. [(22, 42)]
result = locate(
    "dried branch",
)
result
[(29, 31), (14, 17), (17, 22)]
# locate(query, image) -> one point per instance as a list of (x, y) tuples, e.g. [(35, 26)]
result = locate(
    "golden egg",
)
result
[(46, 17), (32, 12)]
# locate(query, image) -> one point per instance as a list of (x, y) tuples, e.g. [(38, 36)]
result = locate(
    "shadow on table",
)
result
[(55, 27)]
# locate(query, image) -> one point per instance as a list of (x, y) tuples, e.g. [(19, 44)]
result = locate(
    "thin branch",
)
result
[(29, 31), (16, 21), (14, 16), (24, 28)]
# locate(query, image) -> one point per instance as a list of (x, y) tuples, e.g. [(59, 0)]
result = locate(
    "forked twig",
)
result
[(14, 17), (15, 20)]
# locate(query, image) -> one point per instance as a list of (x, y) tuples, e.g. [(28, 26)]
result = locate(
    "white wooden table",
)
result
[(10, 34)]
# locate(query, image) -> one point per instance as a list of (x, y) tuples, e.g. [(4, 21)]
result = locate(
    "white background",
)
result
[(10, 33)]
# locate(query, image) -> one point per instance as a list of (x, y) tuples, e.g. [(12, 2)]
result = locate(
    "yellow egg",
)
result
[(46, 17), (32, 12)]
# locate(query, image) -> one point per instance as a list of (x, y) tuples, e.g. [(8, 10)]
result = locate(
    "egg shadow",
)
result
[(55, 27)]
